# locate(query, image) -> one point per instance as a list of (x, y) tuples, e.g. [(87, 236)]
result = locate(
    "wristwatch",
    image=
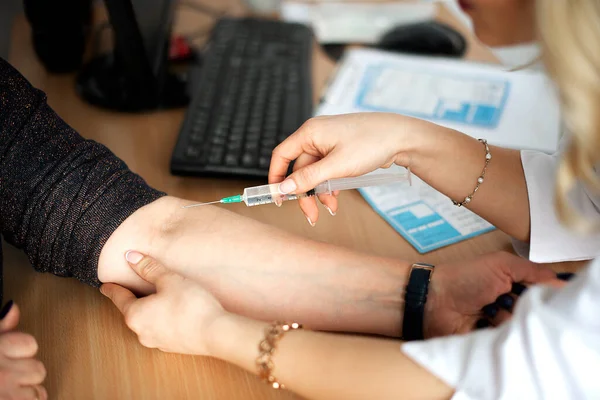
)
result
[(414, 301)]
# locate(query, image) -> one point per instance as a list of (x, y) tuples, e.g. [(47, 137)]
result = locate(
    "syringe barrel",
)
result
[(266, 194), (372, 179)]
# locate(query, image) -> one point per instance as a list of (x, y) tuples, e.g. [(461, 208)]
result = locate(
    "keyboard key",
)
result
[(231, 160), (249, 160), (264, 162), (215, 159), (192, 152)]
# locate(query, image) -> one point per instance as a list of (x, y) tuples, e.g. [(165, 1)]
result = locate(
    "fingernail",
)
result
[(102, 290), (482, 323), (133, 257), (6, 309), (329, 209), (310, 221), (518, 288), (565, 276), (287, 186), (505, 301), (490, 310)]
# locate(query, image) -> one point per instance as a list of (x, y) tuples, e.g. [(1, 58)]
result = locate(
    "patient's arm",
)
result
[(261, 271)]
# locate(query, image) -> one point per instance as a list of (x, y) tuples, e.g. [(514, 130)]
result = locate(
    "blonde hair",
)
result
[(570, 35)]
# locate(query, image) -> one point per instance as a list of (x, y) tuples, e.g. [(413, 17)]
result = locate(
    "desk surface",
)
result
[(88, 351)]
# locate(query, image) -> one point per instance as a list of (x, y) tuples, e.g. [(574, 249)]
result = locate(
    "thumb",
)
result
[(309, 176), (149, 269), (529, 272), (9, 317)]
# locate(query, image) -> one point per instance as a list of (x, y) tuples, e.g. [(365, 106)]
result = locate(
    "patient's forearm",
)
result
[(262, 272)]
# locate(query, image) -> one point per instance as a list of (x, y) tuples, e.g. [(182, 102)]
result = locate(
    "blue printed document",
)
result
[(424, 217), (517, 109)]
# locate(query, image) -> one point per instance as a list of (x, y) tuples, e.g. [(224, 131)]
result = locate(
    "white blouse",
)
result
[(550, 349)]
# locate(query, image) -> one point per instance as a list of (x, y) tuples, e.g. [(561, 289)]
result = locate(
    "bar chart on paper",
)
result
[(465, 100)]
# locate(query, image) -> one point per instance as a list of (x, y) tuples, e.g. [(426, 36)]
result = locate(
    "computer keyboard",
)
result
[(253, 91)]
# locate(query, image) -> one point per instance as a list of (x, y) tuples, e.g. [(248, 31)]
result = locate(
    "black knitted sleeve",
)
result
[(61, 196)]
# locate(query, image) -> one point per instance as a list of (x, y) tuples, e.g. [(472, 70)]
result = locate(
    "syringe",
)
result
[(267, 194)]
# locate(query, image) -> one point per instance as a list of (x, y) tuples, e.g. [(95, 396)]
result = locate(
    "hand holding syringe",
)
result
[(267, 194)]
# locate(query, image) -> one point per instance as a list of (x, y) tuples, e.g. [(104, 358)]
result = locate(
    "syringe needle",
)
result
[(201, 204)]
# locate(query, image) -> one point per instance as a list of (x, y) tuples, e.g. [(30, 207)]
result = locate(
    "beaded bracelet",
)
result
[(488, 157), (267, 347)]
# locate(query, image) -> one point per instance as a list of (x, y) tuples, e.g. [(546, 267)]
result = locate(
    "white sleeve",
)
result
[(550, 241), (550, 349)]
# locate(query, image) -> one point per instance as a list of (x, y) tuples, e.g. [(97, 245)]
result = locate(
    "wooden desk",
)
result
[(88, 351)]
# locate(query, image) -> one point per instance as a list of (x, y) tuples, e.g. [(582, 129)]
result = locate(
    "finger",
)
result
[(304, 179), (122, 298), (149, 269), (42, 394), (28, 393), (330, 203), (336, 193), (9, 315), (28, 371), (501, 317), (286, 152), (18, 345), (525, 271), (308, 205), (556, 283)]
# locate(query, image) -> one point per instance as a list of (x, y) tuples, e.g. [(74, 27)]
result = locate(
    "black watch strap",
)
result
[(414, 301)]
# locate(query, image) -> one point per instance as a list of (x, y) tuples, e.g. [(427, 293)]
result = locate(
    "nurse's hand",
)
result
[(176, 318), (341, 146), (21, 374)]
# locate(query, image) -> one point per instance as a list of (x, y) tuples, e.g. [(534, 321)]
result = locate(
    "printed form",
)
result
[(423, 216)]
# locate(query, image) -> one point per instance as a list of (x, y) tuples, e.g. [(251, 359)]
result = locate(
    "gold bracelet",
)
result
[(266, 349), (488, 157)]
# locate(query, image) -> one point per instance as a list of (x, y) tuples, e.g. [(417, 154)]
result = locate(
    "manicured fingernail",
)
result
[(490, 310), (310, 221), (6, 309), (518, 288), (565, 276), (329, 209), (133, 257), (482, 323), (505, 301), (287, 186)]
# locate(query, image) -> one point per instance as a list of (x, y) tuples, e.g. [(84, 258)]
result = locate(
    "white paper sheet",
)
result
[(512, 109)]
